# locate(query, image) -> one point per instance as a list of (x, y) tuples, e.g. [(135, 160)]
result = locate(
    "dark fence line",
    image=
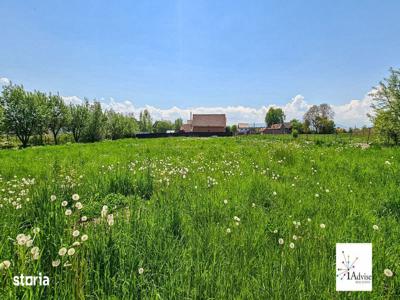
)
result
[(186, 134)]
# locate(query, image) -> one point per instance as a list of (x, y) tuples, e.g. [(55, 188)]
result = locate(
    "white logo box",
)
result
[(353, 267)]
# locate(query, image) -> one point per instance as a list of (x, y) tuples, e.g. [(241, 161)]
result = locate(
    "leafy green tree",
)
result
[(94, 130), (234, 128), (22, 112), (115, 125), (177, 124), (162, 126), (325, 125), (320, 117), (120, 126), (58, 115), (145, 122), (78, 116), (297, 125), (274, 116), (387, 107), (306, 126)]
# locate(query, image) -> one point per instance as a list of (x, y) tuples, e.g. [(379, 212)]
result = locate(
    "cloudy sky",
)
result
[(173, 57)]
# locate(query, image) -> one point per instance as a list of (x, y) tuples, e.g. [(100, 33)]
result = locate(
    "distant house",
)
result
[(205, 123), (243, 128), (282, 128)]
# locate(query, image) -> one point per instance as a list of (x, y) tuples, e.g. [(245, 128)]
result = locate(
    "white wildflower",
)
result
[(55, 263), (62, 251), (388, 272)]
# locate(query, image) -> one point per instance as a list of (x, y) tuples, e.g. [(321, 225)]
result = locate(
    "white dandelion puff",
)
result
[(388, 273), (75, 197), (55, 263), (84, 237), (5, 265), (62, 251)]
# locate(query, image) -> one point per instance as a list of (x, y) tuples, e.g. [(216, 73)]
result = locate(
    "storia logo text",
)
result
[(27, 280)]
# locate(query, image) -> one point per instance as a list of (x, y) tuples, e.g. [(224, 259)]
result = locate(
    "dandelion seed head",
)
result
[(62, 251), (388, 273), (55, 263)]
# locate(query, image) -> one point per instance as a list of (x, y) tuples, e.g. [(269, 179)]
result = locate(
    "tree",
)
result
[(177, 124), (162, 126), (94, 130), (386, 106), (145, 122), (22, 112), (58, 115), (234, 128), (320, 117), (274, 116), (77, 118), (311, 116), (115, 126), (296, 125), (326, 126)]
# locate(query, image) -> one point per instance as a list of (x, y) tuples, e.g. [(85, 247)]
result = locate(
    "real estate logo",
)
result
[(354, 267)]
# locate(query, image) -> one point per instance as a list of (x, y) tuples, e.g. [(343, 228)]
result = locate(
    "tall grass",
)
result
[(174, 236)]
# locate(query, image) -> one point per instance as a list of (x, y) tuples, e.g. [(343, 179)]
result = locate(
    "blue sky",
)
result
[(200, 53)]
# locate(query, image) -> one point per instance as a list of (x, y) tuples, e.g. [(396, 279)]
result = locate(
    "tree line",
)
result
[(318, 119), (25, 114)]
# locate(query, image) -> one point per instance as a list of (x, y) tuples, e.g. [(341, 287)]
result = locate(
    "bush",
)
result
[(295, 133)]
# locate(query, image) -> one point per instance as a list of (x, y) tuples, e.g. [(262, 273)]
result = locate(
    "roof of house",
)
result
[(243, 126), (209, 120), (280, 126)]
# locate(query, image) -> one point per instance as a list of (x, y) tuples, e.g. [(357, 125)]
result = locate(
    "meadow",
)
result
[(252, 217)]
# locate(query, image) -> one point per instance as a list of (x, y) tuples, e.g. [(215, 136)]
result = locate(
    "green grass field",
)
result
[(197, 218)]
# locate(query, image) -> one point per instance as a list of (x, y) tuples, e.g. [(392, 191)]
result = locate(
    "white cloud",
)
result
[(4, 81), (72, 100), (353, 113)]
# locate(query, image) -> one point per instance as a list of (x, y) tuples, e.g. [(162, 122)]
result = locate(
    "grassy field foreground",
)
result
[(187, 218)]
